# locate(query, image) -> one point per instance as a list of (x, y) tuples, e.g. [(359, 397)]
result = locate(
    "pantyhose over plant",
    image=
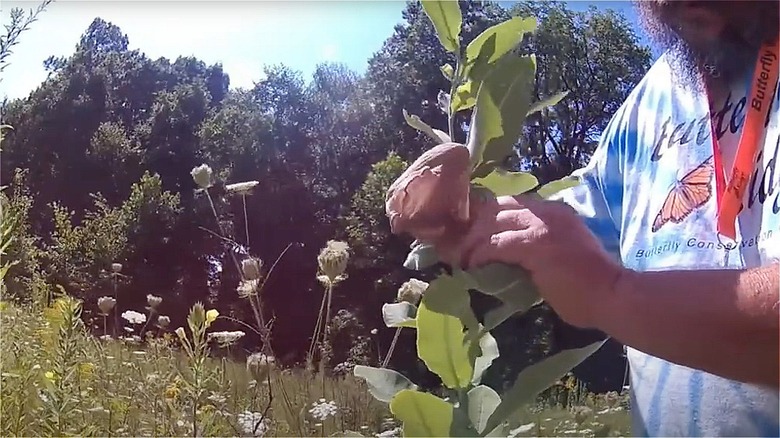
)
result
[(434, 199)]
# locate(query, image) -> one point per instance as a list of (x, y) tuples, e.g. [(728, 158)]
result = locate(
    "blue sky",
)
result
[(241, 34)]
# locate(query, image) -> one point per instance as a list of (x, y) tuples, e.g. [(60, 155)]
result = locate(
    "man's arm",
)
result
[(724, 322)]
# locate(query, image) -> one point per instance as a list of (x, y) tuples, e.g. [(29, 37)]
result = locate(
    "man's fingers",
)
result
[(505, 247), (485, 227)]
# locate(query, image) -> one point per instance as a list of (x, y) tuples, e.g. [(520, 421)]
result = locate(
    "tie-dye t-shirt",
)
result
[(659, 140)]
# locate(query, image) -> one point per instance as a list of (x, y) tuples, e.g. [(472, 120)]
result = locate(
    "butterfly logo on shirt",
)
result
[(688, 194)]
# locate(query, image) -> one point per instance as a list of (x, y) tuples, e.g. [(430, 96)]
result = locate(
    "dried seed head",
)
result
[(153, 301), (116, 267), (247, 288), (333, 259), (250, 267), (202, 176), (106, 304), (412, 291)]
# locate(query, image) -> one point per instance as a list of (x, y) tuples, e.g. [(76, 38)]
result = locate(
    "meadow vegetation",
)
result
[(226, 267)]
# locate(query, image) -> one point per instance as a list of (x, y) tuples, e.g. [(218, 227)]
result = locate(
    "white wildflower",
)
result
[(374, 331), (226, 339), (202, 176), (253, 423), (216, 398), (323, 409), (134, 317), (242, 188), (116, 267), (392, 433)]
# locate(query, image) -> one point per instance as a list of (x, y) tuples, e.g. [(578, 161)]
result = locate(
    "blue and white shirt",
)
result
[(658, 139)]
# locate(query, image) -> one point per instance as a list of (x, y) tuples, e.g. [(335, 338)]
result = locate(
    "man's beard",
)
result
[(749, 24)]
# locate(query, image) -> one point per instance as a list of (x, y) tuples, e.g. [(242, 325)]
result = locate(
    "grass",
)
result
[(59, 380)]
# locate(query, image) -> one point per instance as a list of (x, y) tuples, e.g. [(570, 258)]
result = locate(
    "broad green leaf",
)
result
[(416, 123), (399, 314), (421, 256), (447, 20), (447, 71), (556, 186), (488, 353), (504, 183), (545, 103), (502, 104), (450, 296), (383, 383), (536, 378), (441, 340), (495, 316), (442, 136), (483, 400), (465, 96), (422, 414), (510, 284), (504, 36)]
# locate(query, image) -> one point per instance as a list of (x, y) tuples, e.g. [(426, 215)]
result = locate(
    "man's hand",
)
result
[(573, 272), (677, 315)]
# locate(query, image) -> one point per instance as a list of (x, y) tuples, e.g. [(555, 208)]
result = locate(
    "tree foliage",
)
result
[(103, 150)]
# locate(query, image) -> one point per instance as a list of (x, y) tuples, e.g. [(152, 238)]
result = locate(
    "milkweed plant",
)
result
[(497, 85)]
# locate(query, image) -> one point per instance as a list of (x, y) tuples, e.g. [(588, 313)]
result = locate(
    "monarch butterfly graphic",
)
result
[(688, 194)]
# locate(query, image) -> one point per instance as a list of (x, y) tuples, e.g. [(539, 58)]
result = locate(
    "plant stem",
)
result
[(222, 231), (116, 311), (392, 347), (325, 334), (246, 222)]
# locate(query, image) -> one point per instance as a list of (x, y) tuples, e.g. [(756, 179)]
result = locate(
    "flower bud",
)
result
[(202, 176), (163, 321), (250, 267), (431, 197), (153, 301), (412, 291), (333, 259), (106, 304), (181, 333)]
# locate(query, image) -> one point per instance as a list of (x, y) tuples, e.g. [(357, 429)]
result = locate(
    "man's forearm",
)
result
[(724, 322)]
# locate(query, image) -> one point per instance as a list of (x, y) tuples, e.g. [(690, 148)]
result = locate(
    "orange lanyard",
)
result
[(729, 196)]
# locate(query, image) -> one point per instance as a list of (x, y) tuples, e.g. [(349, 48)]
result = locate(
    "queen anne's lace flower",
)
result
[(134, 317), (226, 338), (323, 409), (253, 423)]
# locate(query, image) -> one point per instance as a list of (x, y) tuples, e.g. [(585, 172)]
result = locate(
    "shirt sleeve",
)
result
[(599, 196)]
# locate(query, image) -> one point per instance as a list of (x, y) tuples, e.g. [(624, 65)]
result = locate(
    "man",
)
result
[(698, 310)]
